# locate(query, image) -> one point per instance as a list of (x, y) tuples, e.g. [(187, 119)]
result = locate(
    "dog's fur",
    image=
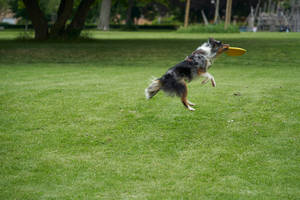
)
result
[(174, 80)]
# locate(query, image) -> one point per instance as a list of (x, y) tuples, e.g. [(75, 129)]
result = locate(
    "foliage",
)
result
[(74, 122), (149, 9), (167, 20), (49, 8), (119, 10), (3, 5), (210, 28), (25, 36), (67, 17), (18, 8), (93, 14)]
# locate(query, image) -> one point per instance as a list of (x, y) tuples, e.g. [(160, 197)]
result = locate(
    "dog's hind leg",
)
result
[(208, 76), (184, 99), (191, 103)]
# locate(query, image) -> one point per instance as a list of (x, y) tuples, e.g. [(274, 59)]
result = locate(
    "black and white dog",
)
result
[(174, 80)]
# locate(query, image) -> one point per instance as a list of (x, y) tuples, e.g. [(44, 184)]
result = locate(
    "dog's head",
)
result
[(213, 48), (217, 47)]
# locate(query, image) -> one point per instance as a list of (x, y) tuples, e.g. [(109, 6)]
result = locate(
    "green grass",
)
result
[(210, 28), (74, 122)]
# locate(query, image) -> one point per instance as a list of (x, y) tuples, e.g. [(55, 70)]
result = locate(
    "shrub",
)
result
[(25, 35), (170, 20), (211, 28)]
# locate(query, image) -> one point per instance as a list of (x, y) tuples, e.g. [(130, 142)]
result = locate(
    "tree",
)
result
[(37, 18), (3, 8), (216, 18), (133, 12), (187, 11), (64, 13), (105, 15), (129, 20), (228, 14)]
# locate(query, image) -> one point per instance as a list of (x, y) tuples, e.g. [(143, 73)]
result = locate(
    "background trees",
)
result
[(104, 19), (66, 18), (3, 8), (42, 12)]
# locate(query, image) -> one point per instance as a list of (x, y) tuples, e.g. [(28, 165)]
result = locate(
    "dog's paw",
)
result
[(191, 103), (213, 82), (191, 109), (204, 81)]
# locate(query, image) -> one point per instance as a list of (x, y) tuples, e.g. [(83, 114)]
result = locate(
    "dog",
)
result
[(173, 82)]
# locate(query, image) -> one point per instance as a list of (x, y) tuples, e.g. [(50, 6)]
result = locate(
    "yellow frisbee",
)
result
[(235, 51)]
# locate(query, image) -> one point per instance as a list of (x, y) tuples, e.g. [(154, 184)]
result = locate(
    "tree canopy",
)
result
[(66, 18), (56, 12)]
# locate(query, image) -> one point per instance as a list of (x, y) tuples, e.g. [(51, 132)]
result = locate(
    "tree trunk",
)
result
[(77, 24), (63, 14), (105, 15), (228, 14), (187, 13), (216, 19), (204, 17), (129, 21), (37, 18)]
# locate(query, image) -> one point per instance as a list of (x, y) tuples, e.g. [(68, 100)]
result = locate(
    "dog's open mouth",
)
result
[(226, 47)]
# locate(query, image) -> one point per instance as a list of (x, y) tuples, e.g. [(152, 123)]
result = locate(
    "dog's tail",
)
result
[(153, 88), (167, 83)]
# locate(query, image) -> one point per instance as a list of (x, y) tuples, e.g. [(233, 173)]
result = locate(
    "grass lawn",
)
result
[(74, 122)]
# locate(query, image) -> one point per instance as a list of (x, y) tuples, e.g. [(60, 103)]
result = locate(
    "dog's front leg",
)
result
[(213, 82), (208, 77)]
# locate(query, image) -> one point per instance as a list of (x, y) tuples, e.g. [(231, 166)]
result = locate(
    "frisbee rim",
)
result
[(235, 51)]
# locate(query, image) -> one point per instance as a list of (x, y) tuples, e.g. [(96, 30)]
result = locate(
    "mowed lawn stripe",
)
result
[(74, 122)]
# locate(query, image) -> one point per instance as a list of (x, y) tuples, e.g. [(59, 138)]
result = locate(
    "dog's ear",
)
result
[(211, 40)]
